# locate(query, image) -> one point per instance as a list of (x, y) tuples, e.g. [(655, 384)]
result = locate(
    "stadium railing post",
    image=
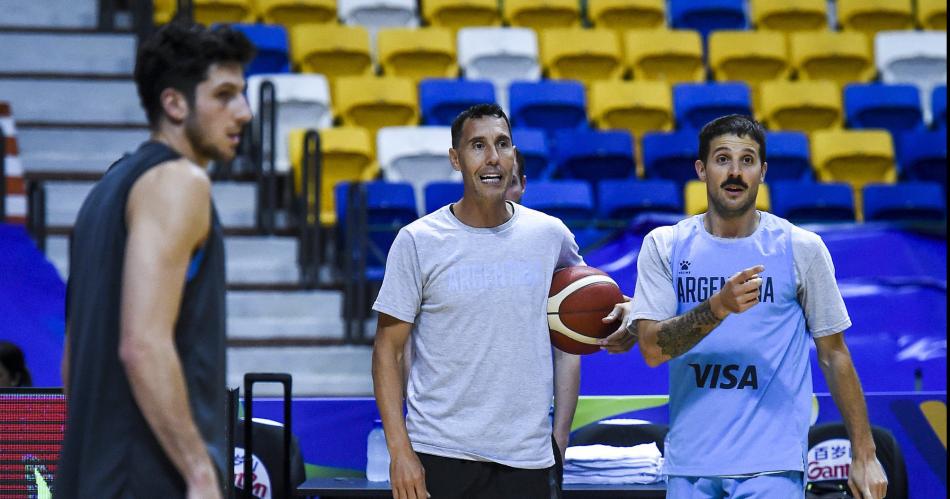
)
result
[(3, 177), (266, 142), (310, 247), (249, 379)]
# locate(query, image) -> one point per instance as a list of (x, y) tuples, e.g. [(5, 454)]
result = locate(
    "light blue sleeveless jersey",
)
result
[(740, 400)]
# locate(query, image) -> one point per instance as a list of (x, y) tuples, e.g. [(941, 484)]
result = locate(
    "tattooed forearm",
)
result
[(677, 335)]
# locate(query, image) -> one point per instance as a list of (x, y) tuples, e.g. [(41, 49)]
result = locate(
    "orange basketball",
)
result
[(580, 298)]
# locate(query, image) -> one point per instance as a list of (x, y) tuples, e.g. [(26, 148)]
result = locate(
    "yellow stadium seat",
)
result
[(694, 193), (331, 50), (750, 56), (638, 106), (932, 14), (374, 102), (293, 12), (871, 16), (347, 154), (581, 54), (790, 15), (543, 14), (800, 105), (208, 12), (627, 14), (457, 14), (163, 10), (858, 157), (675, 56), (843, 57), (417, 53)]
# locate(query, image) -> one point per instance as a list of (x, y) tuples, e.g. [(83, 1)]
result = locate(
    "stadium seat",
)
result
[(389, 207), (638, 106), (533, 145), (592, 154), (347, 156), (922, 156), (707, 15), (694, 192), (163, 11), (582, 54), (457, 14), (749, 56), (290, 13), (417, 155), (871, 16), (374, 102), (303, 101), (938, 102), (695, 104), (620, 201), (500, 55), (376, 14), (272, 49), (788, 156), (824, 438), (895, 108), (442, 100), (858, 157), (670, 155), (932, 14), (906, 201), (210, 12), (331, 50), (914, 57), (800, 105), (439, 194), (675, 56), (570, 200), (623, 15), (790, 15), (541, 15), (548, 105), (417, 53), (812, 202), (843, 57)]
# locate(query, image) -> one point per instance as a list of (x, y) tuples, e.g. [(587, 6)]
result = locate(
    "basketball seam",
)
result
[(554, 304)]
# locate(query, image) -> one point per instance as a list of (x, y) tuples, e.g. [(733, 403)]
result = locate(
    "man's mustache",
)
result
[(734, 181)]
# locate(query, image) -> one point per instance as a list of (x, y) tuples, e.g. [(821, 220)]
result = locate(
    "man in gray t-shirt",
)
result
[(468, 286)]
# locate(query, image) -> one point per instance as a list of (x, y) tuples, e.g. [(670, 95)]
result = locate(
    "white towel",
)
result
[(609, 453), (640, 464)]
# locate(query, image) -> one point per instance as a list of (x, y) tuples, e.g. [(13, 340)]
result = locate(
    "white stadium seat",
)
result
[(915, 57), (375, 14), (500, 55), (416, 154)]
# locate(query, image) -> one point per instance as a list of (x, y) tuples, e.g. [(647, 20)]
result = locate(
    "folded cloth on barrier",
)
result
[(613, 465)]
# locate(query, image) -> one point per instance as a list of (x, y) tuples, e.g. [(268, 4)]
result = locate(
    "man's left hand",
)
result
[(867, 479)]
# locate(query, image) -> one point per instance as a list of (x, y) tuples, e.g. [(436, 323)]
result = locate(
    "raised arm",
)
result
[(866, 479), (406, 474), (168, 217)]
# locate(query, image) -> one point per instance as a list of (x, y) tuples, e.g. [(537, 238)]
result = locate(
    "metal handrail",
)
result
[(36, 218), (310, 247), (265, 141), (3, 177)]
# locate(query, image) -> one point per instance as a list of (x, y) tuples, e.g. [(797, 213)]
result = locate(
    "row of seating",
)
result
[(702, 15)]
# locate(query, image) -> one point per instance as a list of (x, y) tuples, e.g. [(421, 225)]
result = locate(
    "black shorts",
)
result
[(449, 478)]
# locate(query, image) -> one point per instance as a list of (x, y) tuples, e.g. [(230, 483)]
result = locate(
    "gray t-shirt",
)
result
[(480, 381), (655, 299)]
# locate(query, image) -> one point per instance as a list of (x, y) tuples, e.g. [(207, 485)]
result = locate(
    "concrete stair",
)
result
[(316, 371), (66, 150), (66, 102), (284, 315), (101, 54), (55, 14)]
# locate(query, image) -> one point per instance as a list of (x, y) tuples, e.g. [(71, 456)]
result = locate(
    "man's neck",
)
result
[(175, 139), (482, 213), (732, 227)]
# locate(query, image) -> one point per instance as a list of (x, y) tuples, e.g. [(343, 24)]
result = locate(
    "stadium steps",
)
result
[(62, 55), (275, 317), (65, 151), (78, 103), (342, 370), (49, 14)]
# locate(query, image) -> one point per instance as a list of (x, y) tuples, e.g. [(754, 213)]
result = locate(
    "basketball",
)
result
[(580, 298)]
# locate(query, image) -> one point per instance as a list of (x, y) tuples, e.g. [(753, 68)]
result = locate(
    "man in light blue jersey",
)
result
[(730, 298)]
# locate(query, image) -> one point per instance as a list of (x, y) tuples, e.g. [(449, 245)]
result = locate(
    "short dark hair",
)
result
[(733, 124), (475, 112), (519, 164), (178, 56), (11, 358)]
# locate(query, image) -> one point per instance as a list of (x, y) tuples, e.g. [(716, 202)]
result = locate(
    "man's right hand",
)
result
[(407, 477), (740, 293)]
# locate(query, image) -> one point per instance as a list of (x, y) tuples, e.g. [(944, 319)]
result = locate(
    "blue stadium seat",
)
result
[(670, 155), (534, 147), (273, 54), (593, 154), (788, 156), (439, 194), (906, 201), (895, 108), (570, 200), (548, 105), (389, 206), (938, 104), (922, 155), (622, 200), (441, 100), (695, 104), (812, 202), (708, 15)]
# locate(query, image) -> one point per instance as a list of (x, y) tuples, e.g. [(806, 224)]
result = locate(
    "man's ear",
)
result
[(700, 170), (765, 166), (454, 159), (175, 105)]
